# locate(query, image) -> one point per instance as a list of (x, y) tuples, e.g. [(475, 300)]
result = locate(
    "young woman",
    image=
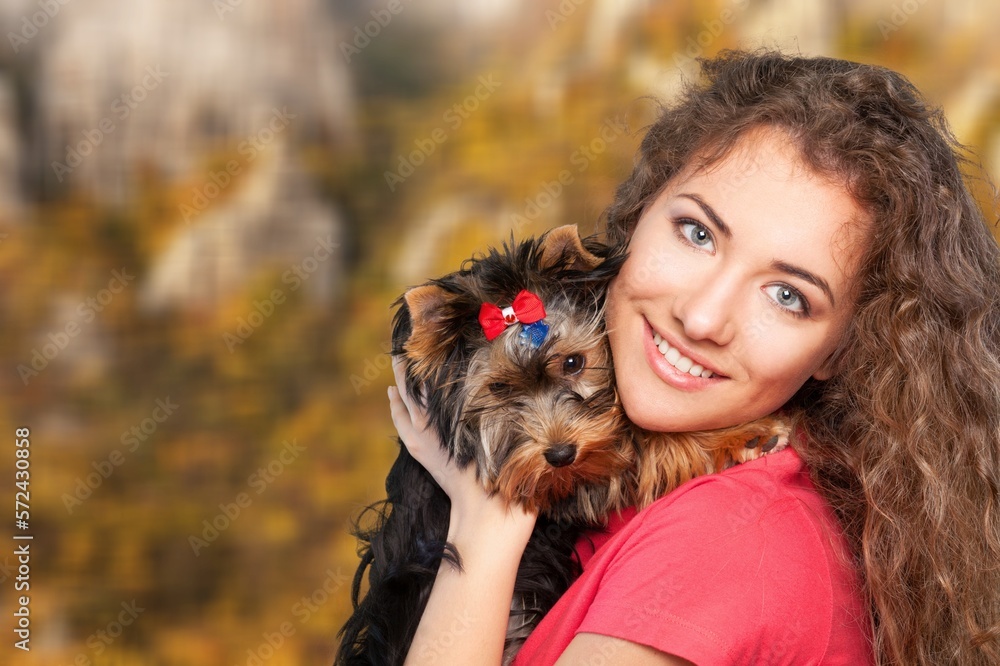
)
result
[(801, 229)]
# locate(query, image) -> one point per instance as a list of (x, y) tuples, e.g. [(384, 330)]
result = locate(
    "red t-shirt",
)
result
[(748, 566)]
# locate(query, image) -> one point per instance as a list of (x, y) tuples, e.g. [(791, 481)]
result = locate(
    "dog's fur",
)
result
[(542, 427)]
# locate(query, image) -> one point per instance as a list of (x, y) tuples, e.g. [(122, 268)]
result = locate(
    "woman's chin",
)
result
[(652, 417)]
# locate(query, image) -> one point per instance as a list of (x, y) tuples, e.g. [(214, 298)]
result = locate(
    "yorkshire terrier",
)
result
[(510, 358)]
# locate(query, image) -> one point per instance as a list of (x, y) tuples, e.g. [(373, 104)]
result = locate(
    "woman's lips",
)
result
[(675, 368), (678, 360)]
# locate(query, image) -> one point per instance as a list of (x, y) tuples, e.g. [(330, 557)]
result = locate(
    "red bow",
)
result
[(526, 309)]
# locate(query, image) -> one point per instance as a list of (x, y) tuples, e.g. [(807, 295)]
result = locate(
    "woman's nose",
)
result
[(708, 308)]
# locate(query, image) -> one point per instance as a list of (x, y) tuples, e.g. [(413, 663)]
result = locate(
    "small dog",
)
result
[(510, 358)]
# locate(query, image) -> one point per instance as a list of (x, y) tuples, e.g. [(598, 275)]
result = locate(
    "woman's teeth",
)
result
[(682, 363)]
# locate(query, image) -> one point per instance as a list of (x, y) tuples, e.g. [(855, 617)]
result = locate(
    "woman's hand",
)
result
[(422, 441), (472, 506)]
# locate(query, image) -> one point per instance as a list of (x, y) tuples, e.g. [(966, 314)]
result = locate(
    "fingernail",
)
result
[(770, 444), (752, 444)]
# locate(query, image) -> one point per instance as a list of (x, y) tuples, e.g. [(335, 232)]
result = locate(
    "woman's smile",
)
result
[(677, 368)]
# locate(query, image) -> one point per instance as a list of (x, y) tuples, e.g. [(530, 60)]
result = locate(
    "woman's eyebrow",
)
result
[(811, 278), (710, 212), (785, 267)]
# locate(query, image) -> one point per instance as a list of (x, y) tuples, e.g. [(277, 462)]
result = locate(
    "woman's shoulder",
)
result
[(747, 555), (710, 502), (767, 511), (759, 495)]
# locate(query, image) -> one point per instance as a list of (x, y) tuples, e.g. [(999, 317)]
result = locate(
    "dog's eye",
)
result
[(499, 388), (573, 364)]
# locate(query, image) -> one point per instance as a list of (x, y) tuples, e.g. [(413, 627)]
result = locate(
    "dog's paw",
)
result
[(773, 444), (758, 439), (774, 439)]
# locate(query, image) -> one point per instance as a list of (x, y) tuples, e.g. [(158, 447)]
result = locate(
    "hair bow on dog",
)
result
[(527, 308)]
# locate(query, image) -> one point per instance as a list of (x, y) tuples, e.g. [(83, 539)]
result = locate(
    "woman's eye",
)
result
[(573, 364), (788, 298), (695, 233)]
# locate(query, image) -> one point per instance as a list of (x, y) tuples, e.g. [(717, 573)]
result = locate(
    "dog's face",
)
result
[(537, 416), (546, 418)]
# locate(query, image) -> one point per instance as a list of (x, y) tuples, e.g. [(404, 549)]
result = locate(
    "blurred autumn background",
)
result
[(206, 211)]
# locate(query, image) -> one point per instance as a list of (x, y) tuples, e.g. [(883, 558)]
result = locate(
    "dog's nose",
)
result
[(561, 454)]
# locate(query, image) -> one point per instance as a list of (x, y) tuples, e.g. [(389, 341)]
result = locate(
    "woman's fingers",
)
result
[(400, 415), (399, 373), (410, 419), (422, 442), (417, 415)]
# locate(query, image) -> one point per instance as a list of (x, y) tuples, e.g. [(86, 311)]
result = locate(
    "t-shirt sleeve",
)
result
[(724, 572)]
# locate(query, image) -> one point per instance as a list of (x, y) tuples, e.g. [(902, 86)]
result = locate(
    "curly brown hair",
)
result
[(905, 440)]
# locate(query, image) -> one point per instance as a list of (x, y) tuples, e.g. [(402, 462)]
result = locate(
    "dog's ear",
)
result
[(426, 304), (431, 336), (562, 246)]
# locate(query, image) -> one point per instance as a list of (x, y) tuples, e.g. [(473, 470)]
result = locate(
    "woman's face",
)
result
[(737, 289)]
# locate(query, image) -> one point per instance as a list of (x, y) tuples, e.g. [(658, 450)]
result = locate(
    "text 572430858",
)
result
[(22, 549)]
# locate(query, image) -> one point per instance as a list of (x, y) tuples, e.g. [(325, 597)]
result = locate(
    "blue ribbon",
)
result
[(534, 334)]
